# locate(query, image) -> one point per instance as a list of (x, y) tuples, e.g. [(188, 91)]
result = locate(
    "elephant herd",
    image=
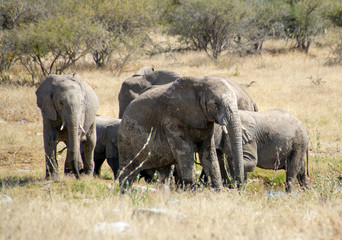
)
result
[(166, 119)]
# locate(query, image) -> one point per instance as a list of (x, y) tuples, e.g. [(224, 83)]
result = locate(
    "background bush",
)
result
[(46, 37)]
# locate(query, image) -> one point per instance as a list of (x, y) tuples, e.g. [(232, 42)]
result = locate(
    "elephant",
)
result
[(146, 78), (165, 125), (106, 144), (272, 139), (141, 81), (107, 148), (68, 106)]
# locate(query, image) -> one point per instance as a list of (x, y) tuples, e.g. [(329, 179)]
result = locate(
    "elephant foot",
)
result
[(68, 171), (52, 176), (185, 185), (86, 172)]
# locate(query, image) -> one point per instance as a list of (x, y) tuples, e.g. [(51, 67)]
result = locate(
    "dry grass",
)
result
[(69, 209)]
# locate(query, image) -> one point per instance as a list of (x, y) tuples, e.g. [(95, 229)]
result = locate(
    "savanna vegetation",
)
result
[(286, 54)]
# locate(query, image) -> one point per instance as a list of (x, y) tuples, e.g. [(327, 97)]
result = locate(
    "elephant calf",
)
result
[(106, 144), (273, 139)]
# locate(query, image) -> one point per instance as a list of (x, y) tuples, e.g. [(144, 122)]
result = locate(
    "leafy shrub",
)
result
[(207, 25), (53, 45), (303, 21), (126, 24)]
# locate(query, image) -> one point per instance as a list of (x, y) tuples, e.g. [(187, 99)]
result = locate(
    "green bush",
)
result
[(207, 25), (303, 21), (263, 21), (53, 45), (126, 24)]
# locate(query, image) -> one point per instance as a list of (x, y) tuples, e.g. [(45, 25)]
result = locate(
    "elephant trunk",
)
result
[(235, 136), (73, 152)]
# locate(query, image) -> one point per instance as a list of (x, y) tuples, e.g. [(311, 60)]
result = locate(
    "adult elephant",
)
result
[(68, 106), (142, 80), (146, 77), (273, 139), (182, 115), (106, 144)]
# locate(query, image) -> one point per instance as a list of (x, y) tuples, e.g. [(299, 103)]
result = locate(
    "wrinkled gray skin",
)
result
[(182, 115), (273, 139), (106, 147), (106, 144), (141, 81), (146, 78), (68, 107)]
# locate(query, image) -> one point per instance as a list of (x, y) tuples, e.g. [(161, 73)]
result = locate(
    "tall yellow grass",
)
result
[(294, 81)]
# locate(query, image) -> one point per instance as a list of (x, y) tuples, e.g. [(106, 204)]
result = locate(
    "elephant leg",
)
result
[(291, 171), (148, 175), (165, 174), (203, 177), (302, 179), (165, 177), (183, 151), (301, 176), (210, 162), (114, 165), (224, 168), (112, 156), (98, 161), (50, 148), (89, 146)]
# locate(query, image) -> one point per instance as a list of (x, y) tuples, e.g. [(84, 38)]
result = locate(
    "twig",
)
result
[(140, 165), (51, 161), (148, 140)]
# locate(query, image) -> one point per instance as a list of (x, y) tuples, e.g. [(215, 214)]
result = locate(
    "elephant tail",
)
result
[(307, 162)]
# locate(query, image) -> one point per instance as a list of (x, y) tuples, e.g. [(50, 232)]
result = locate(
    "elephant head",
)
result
[(197, 102), (141, 81), (68, 108)]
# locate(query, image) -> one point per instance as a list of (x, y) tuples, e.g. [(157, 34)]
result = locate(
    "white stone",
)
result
[(173, 201), (113, 227), (145, 189), (5, 199), (158, 212)]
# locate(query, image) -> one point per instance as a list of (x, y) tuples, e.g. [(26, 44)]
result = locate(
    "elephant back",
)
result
[(162, 77), (143, 71)]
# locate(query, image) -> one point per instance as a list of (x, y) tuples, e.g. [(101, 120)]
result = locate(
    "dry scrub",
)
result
[(69, 209)]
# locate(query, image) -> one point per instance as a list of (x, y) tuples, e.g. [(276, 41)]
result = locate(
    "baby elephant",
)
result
[(273, 139), (106, 144)]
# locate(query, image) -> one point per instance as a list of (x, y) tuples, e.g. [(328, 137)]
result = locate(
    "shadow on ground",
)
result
[(14, 181)]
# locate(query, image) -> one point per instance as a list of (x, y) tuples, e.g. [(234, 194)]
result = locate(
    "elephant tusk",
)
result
[(82, 129), (62, 127), (243, 128), (224, 128)]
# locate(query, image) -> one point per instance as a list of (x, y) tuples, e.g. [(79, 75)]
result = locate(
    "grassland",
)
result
[(300, 83)]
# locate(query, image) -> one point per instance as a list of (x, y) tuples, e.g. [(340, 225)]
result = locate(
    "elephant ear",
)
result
[(249, 127), (184, 103), (44, 99)]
